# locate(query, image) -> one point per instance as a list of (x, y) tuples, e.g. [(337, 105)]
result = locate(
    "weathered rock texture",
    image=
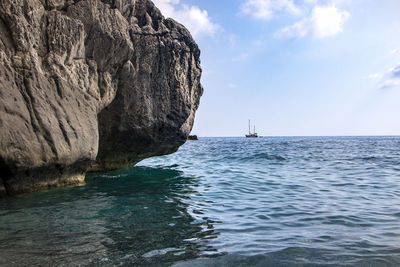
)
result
[(97, 84)]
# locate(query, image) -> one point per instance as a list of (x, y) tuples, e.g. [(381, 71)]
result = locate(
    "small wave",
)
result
[(171, 166), (342, 184), (367, 158), (370, 158), (266, 156), (159, 252)]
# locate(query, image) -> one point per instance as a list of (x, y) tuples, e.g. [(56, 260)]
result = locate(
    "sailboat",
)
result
[(252, 135)]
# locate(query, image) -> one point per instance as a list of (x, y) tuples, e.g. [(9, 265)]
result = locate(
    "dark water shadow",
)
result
[(136, 216)]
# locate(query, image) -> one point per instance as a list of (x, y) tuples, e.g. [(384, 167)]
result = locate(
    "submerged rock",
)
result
[(90, 84)]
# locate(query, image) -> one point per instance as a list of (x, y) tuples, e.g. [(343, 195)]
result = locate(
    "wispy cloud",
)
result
[(324, 21), (328, 2), (395, 71), (241, 57), (374, 76), (232, 40), (392, 78), (195, 19), (390, 83), (395, 51), (388, 79), (232, 85), (266, 9)]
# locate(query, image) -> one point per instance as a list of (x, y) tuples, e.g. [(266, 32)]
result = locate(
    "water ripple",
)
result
[(327, 195), (279, 201)]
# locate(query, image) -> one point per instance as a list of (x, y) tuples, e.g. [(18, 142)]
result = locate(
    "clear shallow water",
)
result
[(279, 201)]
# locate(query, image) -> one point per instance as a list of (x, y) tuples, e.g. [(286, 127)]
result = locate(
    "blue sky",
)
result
[(307, 67)]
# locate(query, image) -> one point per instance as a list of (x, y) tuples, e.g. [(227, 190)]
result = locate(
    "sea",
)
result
[(269, 201)]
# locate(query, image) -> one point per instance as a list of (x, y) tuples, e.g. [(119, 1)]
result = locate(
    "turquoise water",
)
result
[(272, 201)]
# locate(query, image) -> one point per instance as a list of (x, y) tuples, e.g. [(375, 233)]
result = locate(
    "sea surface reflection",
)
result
[(136, 216)]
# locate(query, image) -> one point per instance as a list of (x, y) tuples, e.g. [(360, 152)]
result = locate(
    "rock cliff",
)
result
[(90, 84)]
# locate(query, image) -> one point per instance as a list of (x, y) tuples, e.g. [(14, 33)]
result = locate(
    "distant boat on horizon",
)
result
[(252, 135)]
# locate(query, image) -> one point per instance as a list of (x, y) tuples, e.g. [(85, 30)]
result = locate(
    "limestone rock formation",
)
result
[(97, 84)]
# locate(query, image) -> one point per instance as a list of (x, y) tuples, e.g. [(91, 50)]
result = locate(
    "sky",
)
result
[(295, 67)]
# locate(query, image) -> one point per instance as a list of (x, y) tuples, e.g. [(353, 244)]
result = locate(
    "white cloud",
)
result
[(395, 72), (195, 19), (327, 2), (393, 78), (395, 51), (395, 82), (324, 21), (265, 9), (388, 79), (374, 76)]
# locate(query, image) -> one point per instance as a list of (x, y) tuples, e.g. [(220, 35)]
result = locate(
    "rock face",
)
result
[(98, 84)]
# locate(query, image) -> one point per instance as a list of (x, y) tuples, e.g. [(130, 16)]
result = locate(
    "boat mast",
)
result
[(249, 127), (254, 129)]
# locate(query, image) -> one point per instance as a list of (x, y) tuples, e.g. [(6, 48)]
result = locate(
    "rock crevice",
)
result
[(94, 84)]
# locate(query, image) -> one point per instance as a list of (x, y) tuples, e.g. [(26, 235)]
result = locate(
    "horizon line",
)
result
[(366, 135)]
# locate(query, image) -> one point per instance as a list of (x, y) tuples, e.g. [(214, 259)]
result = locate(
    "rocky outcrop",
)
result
[(97, 84)]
